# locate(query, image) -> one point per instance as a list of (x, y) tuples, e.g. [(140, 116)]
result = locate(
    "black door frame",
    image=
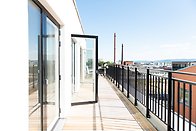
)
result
[(73, 67), (96, 67)]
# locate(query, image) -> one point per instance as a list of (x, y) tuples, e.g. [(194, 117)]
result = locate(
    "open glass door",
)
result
[(84, 67)]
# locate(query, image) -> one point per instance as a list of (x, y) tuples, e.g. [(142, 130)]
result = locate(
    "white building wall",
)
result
[(14, 59), (67, 12), (14, 65)]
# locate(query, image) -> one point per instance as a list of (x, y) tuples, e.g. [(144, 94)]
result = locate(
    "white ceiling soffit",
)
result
[(51, 11)]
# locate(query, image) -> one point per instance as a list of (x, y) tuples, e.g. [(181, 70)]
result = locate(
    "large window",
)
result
[(187, 93), (43, 69), (34, 18)]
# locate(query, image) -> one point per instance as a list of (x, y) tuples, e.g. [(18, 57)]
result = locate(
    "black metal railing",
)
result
[(163, 94)]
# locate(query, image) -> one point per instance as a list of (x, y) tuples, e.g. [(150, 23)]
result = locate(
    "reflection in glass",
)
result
[(42, 118), (84, 57), (34, 32), (50, 41)]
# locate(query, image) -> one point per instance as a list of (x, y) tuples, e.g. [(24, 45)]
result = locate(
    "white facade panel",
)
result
[(14, 57), (14, 65), (66, 11)]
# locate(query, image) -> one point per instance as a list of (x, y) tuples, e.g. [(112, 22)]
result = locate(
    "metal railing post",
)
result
[(147, 94), (114, 77), (135, 103), (118, 76), (127, 81), (169, 101), (122, 78)]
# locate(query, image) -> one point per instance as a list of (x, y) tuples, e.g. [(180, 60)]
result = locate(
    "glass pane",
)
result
[(34, 32), (84, 70), (50, 94)]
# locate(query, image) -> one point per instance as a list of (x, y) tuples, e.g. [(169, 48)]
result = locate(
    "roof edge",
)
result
[(74, 1), (185, 68)]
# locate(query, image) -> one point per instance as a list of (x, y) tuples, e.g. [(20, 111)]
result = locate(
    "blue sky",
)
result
[(149, 29)]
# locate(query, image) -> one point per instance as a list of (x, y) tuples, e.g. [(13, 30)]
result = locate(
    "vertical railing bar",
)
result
[(147, 94), (155, 95), (150, 91), (158, 93), (110, 73), (144, 89), (173, 93), (190, 106), (116, 69), (122, 78), (184, 106), (135, 103), (127, 81), (161, 98), (169, 101), (178, 121), (165, 97), (118, 76)]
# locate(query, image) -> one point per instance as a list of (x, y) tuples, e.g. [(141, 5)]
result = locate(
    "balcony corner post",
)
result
[(147, 94), (169, 101), (122, 78)]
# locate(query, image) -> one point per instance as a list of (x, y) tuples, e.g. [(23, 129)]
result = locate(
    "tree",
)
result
[(103, 64)]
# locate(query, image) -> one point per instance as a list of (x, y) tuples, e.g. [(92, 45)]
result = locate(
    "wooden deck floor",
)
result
[(110, 113)]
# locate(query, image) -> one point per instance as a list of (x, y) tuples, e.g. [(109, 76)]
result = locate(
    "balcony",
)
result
[(136, 99), (112, 112)]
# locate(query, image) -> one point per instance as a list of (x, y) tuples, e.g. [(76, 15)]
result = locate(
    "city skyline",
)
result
[(149, 30)]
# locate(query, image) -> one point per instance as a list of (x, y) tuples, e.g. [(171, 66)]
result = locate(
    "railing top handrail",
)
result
[(177, 72), (184, 81), (185, 73), (161, 70)]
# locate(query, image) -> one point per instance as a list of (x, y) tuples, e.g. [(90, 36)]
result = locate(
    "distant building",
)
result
[(176, 65), (193, 63), (128, 63), (190, 78)]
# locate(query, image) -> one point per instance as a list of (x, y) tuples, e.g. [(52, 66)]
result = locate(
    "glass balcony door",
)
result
[(43, 69), (34, 66), (50, 72)]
